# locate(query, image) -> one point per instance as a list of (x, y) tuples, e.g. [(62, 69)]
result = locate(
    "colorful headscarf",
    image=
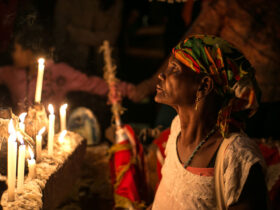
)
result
[(232, 73)]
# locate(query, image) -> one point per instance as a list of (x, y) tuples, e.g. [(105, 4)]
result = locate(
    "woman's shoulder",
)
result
[(240, 155), (243, 146), (175, 125)]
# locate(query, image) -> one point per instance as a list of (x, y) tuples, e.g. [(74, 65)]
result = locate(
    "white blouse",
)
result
[(181, 189)]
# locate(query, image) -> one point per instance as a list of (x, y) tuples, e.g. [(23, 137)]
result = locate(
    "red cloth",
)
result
[(161, 143), (201, 171), (272, 157), (128, 185), (133, 184), (270, 154)]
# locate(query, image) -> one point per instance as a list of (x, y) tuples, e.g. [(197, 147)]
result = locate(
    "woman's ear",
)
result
[(205, 87)]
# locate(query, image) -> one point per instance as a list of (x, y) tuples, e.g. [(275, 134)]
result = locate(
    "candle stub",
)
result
[(31, 165), (39, 144)]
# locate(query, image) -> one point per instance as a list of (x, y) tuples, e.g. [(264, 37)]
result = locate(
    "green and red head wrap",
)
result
[(232, 73)]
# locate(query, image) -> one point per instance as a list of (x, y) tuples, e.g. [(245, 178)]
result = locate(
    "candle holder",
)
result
[(35, 119), (5, 112), (5, 115)]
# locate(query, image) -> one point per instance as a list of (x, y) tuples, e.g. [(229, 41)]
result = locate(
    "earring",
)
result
[(196, 102)]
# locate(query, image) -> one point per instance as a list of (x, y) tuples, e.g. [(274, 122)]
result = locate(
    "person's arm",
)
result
[(96, 38), (254, 193), (78, 81)]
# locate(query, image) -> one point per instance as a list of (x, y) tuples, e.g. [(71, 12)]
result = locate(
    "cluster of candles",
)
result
[(14, 135), (12, 161)]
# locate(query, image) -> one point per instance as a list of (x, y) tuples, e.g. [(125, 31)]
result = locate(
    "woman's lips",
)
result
[(159, 88)]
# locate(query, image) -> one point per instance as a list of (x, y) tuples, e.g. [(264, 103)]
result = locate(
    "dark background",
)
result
[(139, 56)]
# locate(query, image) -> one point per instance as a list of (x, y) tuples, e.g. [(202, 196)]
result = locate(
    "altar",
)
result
[(55, 176), (40, 159)]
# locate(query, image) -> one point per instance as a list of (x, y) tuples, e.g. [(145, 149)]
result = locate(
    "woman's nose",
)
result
[(161, 76)]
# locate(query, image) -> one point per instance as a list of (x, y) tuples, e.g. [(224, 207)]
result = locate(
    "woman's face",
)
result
[(21, 57), (177, 85)]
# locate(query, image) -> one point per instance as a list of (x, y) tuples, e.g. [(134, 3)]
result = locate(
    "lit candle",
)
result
[(62, 112), (12, 161), (21, 163), (51, 129), (39, 83), (21, 121), (39, 144), (62, 141), (31, 165), (61, 136)]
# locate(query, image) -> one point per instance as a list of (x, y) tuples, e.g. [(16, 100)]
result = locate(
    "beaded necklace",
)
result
[(212, 131)]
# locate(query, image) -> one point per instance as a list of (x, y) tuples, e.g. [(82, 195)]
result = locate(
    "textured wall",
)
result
[(253, 26)]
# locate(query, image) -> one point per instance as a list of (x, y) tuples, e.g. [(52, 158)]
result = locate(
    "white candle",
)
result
[(39, 144), (31, 165), (12, 162), (21, 163), (63, 141), (39, 83), (21, 121), (61, 136), (62, 112), (51, 129)]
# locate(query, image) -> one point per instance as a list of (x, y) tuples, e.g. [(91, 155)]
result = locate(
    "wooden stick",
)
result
[(110, 77)]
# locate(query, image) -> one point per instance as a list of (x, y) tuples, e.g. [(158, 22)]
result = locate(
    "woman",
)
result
[(213, 89)]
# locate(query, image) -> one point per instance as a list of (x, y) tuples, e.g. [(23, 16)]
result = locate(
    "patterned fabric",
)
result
[(232, 73), (127, 173)]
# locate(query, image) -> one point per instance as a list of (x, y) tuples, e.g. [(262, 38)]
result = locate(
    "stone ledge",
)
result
[(60, 184), (56, 176)]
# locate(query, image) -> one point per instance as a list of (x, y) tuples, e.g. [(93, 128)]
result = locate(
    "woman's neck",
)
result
[(195, 125)]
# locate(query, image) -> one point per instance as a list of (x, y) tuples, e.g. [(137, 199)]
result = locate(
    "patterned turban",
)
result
[(233, 76)]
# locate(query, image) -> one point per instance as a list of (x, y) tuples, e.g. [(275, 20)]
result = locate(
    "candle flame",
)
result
[(20, 137), (41, 61), (22, 116), (61, 136), (50, 107), (41, 131), (31, 153), (64, 107)]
